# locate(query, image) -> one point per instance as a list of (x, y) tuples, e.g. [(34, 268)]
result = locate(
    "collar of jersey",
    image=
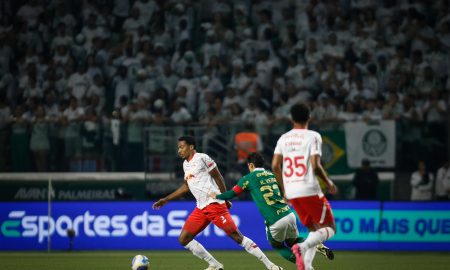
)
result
[(191, 157), (258, 169)]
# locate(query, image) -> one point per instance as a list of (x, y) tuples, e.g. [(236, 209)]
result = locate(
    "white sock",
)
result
[(198, 250), (317, 237), (308, 257), (253, 249)]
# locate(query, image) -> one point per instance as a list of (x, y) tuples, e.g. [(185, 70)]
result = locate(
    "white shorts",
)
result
[(285, 228)]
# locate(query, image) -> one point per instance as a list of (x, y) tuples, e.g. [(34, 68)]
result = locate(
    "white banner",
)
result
[(374, 141)]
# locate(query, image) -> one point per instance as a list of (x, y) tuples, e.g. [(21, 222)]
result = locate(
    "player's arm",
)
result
[(227, 195), (320, 172), (218, 178), (276, 169), (230, 194), (182, 190)]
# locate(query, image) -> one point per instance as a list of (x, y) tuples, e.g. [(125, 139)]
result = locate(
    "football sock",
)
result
[(198, 250), (317, 237), (308, 257), (300, 239), (286, 253), (253, 249)]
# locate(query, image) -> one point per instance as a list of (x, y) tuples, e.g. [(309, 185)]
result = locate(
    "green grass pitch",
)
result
[(233, 260)]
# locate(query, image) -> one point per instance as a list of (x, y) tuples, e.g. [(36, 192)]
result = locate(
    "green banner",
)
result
[(334, 155)]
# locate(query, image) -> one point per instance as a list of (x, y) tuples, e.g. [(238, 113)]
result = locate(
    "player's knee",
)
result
[(184, 239)]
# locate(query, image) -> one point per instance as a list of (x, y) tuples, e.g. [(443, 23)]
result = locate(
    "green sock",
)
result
[(300, 239), (286, 253)]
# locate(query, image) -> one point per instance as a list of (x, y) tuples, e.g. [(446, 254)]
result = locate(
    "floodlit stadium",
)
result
[(128, 126)]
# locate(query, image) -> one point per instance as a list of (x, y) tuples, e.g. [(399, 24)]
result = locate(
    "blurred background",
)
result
[(95, 93)]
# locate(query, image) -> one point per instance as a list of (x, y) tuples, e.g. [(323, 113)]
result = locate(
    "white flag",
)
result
[(374, 141)]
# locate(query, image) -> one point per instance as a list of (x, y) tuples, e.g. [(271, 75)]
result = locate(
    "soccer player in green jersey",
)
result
[(281, 225)]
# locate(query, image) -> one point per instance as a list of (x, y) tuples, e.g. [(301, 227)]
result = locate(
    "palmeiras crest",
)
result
[(374, 143)]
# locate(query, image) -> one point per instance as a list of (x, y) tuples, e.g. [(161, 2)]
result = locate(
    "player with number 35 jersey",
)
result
[(297, 146), (296, 165)]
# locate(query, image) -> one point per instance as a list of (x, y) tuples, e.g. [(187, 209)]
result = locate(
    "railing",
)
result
[(156, 150)]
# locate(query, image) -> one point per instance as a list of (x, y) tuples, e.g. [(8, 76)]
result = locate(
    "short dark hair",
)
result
[(365, 162), (256, 158), (188, 139), (300, 113)]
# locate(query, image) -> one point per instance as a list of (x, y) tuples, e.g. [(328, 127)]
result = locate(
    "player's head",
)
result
[(255, 160), (300, 113), (186, 146)]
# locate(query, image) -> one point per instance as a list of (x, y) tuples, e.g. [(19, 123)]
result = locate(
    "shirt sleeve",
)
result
[(316, 148), (241, 185), (208, 162), (235, 191), (226, 195)]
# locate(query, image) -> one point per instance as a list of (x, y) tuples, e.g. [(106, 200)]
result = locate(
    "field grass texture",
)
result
[(232, 260)]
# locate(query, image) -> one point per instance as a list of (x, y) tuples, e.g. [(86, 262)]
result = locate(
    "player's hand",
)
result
[(332, 188), (160, 203), (212, 195), (229, 204)]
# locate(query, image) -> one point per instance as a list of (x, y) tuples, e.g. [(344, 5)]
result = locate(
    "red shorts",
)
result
[(216, 213), (313, 210)]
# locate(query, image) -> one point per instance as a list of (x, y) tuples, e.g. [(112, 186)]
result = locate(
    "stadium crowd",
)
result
[(71, 71)]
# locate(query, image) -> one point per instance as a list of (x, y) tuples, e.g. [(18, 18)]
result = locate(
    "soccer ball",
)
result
[(140, 262)]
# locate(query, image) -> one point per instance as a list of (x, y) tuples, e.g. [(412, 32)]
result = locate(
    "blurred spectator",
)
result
[(20, 158), (90, 132), (246, 142), (365, 181), (79, 83), (121, 86), (39, 141), (138, 116), (180, 114), (442, 187), (5, 115), (422, 182), (72, 117)]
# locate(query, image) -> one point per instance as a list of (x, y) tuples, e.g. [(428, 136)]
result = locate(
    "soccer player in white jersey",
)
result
[(298, 151), (201, 177)]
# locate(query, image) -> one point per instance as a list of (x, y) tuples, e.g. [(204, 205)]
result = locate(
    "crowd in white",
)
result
[(156, 62)]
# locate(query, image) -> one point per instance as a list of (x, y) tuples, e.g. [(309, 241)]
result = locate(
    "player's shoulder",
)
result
[(202, 156), (314, 133), (286, 135)]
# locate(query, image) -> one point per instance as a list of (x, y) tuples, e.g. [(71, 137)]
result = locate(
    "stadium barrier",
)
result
[(134, 225), (129, 186)]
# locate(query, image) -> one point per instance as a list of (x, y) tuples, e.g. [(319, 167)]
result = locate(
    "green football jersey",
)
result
[(265, 192)]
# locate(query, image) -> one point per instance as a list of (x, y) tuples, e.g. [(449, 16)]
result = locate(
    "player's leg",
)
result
[(222, 219), (305, 219), (322, 226), (279, 247), (195, 223), (283, 231), (321, 248), (315, 213)]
